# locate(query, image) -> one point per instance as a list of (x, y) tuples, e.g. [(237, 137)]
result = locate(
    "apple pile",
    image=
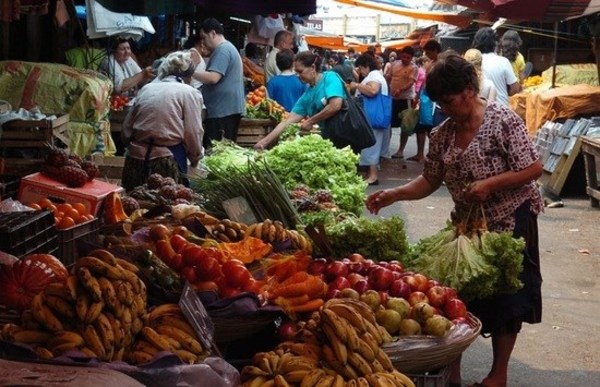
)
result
[(405, 302)]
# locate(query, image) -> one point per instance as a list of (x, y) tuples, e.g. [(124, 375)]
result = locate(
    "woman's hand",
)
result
[(477, 191), (380, 199), (148, 72)]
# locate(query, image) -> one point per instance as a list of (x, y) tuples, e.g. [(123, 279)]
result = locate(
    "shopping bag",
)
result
[(350, 126), (379, 110), (408, 120)]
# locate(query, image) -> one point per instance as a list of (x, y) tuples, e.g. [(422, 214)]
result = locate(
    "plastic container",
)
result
[(68, 239), (439, 378), (23, 233)]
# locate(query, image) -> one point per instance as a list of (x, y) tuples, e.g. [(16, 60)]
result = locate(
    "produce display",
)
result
[(68, 169), (66, 215), (261, 107)]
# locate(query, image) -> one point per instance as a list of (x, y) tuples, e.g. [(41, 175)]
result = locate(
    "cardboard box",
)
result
[(36, 186)]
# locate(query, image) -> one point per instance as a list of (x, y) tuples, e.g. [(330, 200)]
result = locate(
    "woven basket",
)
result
[(418, 354)]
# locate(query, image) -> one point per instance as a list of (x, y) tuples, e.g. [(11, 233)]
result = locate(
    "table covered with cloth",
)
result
[(59, 89)]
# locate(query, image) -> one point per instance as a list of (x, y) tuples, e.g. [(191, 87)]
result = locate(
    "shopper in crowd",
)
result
[(339, 64), (402, 88), (283, 40), (487, 89), (484, 156), (286, 88), (496, 68), (388, 66), (322, 99), (223, 85), (372, 84), (126, 74), (510, 44), (163, 129)]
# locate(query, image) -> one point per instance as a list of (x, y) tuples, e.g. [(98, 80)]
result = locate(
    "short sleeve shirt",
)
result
[(502, 144), (498, 69), (316, 97)]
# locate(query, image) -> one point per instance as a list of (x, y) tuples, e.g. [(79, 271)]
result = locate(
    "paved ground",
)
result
[(564, 350)]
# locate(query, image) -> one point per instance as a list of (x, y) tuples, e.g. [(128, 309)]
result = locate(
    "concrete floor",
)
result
[(564, 350)]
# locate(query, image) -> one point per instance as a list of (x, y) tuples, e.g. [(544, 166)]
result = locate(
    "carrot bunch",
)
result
[(299, 293)]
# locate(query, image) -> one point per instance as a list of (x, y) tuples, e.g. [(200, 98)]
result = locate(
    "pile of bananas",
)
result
[(226, 230), (166, 329), (342, 342), (534, 80), (274, 232), (97, 310)]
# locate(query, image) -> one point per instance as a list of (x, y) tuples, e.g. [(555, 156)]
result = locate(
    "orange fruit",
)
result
[(44, 203), (73, 213), (35, 206), (81, 208), (65, 222), (64, 207), (52, 208), (88, 217), (59, 214)]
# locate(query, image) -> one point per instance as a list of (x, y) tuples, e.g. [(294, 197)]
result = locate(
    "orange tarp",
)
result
[(337, 43)]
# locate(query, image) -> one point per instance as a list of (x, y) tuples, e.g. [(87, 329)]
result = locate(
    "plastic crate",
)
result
[(9, 186), (68, 239), (439, 378), (23, 233)]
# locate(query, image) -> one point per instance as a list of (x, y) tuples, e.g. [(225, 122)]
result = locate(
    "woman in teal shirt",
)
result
[(322, 99)]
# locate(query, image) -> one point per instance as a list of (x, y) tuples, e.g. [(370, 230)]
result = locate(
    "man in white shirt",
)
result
[(496, 68), (284, 39)]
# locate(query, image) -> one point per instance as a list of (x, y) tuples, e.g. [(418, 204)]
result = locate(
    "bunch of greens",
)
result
[(382, 239), (290, 132), (477, 264), (225, 154), (314, 161)]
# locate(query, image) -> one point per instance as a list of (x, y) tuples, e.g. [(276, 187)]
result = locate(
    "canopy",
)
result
[(259, 7), (339, 43), (461, 21), (532, 10)]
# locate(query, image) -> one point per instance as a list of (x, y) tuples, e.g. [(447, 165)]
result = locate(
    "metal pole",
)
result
[(555, 53)]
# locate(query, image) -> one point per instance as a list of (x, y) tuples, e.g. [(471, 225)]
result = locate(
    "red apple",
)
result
[(317, 266), (455, 308), (336, 269), (286, 331), (356, 257), (450, 293), (431, 283), (361, 286), (416, 297), (353, 277), (384, 296), (340, 283), (381, 278), (355, 267), (396, 267), (399, 288), (397, 275), (383, 263), (332, 293), (421, 282), (410, 281), (436, 295)]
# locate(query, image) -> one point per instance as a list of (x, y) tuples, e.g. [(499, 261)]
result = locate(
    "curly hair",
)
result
[(510, 43), (485, 40)]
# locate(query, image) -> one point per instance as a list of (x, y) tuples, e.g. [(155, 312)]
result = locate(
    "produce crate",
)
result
[(253, 130), (68, 239), (23, 233), (438, 378), (111, 167), (9, 186)]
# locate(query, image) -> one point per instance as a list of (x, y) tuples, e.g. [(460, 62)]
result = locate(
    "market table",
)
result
[(591, 156)]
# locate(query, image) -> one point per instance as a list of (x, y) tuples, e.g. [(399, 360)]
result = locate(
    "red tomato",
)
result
[(177, 262), (237, 276), (253, 286), (203, 286), (165, 251), (193, 255), (209, 269), (189, 273), (178, 242)]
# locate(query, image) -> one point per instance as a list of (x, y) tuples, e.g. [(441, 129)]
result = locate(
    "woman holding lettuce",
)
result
[(484, 156)]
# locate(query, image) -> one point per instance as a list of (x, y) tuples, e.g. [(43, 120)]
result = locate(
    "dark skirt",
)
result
[(505, 313), (136, 172)]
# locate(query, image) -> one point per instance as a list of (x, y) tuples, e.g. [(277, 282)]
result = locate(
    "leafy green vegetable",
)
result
[(382, 239), (225, 154), (313, 161)]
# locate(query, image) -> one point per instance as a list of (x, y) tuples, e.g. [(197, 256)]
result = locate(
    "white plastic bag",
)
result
[(268, 26)]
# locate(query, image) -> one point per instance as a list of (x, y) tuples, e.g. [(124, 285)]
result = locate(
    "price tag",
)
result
[(196, 315), (239, 210)]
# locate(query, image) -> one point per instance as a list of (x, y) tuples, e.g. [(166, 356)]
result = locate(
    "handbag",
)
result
[(349, 126), (379, 110)]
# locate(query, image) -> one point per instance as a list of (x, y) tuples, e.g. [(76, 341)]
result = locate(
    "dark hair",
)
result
[(284, 59), (450, 75), (308, 59), (351, 50), (432, 45), (485, 40), (191, 41), (510, 44), (367, 60), (251, 50), (212, 24), (117, 41), (407, 50), (280, 36)]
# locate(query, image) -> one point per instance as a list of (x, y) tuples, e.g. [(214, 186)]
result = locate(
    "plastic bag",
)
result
[(268, 26), (408, 120)]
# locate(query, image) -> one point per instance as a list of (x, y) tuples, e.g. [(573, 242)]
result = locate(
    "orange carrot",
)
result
[(313, 286), (298, 276), (309, 306), (291, 301)]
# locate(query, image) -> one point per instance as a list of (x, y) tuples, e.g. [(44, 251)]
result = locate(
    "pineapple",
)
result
[(72, 176), (90, 168), (56, 157)]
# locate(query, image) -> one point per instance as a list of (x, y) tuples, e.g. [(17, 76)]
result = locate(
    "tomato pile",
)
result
[(259, 106), (118, 102)]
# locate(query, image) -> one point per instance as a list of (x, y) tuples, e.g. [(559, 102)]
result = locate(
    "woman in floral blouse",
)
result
[(484, 156)]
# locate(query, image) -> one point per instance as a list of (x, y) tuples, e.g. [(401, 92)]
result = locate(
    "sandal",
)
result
[(397, 156), (415, 158)]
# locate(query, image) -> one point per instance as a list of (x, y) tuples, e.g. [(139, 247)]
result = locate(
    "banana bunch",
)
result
[(166, 329), (280, 367), (97, 310), (274, 232), (226, 230)]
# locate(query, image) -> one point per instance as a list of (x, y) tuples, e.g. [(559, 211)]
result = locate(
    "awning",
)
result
[(149, 7), (461, 21), (259, 7)]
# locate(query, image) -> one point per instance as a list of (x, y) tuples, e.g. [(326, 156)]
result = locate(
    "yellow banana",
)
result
[(376, 380), (44, 315), (129, 266), (265, 365), (250, 372), (305, 349), (339, 381), (335, 323), (117, 330), (72, 285), (108, 292), (125, 293), (119, 354), (188, 342), (186, 356), (177, 322), (60, 306), (105, 331), (31, 337), (82, 304), (257, 381), (332, 361), (174, 344), (351, 383), (325, 381), (274, 361), (370, 341), (373, 331), (401, 379), (163, 310), (384, 359), (93, 341), (359, 363), (312, 378), (136, 325), (351, 315), (145, 346), (58, 289), (94, 311), (377, 366), (102, 268), (280, 381), (360, 307), (362, 382), (295, 363), (392, 381), (296, 376), (126, 319), (104, 255), (138, 305), (365, 349), (44, 353), (249, 231), (138, 357), (87, 351), (90, 283), (385, 335), (339, 348), (154, 338)]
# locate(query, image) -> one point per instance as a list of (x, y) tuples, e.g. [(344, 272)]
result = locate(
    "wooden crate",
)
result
[(111, 167), (253, 130)]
